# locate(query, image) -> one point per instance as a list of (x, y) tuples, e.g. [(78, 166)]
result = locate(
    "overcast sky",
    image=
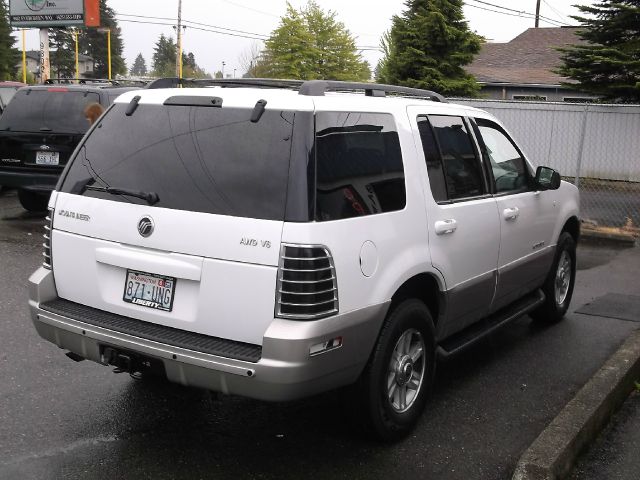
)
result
[(365, 19)]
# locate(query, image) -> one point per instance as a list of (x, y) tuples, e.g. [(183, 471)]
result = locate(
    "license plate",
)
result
[(149, 290), (47, 158)]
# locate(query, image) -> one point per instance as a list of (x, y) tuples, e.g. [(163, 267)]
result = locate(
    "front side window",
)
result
[(452, 164), (507, 164), (359, 167)]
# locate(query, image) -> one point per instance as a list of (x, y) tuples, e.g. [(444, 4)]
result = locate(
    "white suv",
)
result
[(280, 242)]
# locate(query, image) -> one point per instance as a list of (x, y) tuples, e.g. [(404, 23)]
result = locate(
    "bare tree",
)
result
[(250, 60)]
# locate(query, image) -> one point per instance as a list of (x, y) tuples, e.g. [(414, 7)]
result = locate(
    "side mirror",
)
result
[(547, 178)]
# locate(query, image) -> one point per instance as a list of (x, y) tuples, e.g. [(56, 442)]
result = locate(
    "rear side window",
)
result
[(55, 109), (359, 167), (200, 159), (452, 164)]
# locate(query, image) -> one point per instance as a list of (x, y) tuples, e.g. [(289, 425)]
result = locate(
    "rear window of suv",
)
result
[(55, 109), (195, 158)]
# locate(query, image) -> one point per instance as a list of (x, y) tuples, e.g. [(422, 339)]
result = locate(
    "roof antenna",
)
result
[(258, 110), (133, 104)]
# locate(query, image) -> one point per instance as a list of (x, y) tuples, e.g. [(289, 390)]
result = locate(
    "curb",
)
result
[(553, 454), (615, 238)]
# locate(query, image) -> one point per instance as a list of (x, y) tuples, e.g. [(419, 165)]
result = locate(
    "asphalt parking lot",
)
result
[(62, 419)]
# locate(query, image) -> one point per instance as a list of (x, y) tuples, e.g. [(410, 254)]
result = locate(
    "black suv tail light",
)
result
[(48, 228), (307, 285)]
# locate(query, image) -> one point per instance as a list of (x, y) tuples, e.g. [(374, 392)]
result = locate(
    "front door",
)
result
[(526, 216)]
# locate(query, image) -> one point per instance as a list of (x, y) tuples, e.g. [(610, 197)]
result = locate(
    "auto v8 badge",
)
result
[(74, 215)]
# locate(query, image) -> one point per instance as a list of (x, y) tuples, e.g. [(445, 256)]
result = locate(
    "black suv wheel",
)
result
[(33, 201)]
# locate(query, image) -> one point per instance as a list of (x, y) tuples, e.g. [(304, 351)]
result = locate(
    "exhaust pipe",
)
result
[(74, 356)]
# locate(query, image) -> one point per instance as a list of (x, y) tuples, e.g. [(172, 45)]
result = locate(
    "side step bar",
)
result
[(476, 332)]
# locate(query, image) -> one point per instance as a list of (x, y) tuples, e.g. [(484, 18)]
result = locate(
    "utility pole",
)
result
[(179, 42), (537, 13)]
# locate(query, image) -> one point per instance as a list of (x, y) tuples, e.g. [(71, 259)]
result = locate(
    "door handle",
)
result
[(444, 227), (510, 213)]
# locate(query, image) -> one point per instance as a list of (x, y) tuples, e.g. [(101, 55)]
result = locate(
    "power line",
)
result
[(212, 28), (193, 28), (561, 16), (194, 23), (252, 9), (519, 12), (514, 13)]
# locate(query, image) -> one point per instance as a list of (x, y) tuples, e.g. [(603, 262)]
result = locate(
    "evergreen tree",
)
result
[(609, 63), (311, 44), (8, 54), (139, 68), (94, 44), (62, 56), (164, 60), (427, 47), (164, 57)]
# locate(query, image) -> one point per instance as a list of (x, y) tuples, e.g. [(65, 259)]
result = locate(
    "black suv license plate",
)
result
[(149, 290)]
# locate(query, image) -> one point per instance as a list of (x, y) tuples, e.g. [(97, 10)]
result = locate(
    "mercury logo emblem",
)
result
[(35, 5), (145, 226)]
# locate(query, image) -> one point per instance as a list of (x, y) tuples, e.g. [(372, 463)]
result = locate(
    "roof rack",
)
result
[(88, 81), (172, 82), (319, 87), (314, 88)]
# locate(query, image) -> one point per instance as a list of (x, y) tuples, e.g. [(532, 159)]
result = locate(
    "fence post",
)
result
[(583, 134)]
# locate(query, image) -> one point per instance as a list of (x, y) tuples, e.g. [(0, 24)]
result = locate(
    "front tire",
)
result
[(558, 287), (394, 387), (33, 201)]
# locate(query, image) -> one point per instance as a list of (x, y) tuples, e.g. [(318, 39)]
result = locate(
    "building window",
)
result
[(530, 98), (579, 99)]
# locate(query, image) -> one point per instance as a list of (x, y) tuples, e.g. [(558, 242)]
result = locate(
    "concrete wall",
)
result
[(586, 140)]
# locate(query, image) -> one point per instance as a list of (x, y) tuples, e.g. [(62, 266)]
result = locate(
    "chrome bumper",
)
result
[(285, 371)]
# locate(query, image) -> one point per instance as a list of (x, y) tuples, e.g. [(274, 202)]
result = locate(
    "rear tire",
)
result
[(393, 389), (33, 201), (558, 287)]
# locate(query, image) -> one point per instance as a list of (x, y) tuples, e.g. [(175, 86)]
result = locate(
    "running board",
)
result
[(479, 330)]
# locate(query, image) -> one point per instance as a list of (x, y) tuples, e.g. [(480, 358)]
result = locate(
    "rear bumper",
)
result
[(29, 180), (285, 371)]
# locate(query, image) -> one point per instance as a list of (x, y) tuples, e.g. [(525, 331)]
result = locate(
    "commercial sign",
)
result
[(46, 13)]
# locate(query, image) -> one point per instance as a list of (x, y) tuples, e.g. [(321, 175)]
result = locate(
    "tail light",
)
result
[(307, 285), (48, 228)]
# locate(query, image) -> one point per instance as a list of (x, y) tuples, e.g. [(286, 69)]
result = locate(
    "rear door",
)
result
[(464, 232), (204, 257)]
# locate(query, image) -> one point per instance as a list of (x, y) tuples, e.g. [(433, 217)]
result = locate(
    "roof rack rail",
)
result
[(319, 87), (309, 87), (86, 81), (172, 82)]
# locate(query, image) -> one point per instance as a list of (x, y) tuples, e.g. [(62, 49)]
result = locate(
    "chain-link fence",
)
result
[(597, 147)]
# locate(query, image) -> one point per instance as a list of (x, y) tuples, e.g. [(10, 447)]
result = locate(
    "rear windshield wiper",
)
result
[(150, 197)]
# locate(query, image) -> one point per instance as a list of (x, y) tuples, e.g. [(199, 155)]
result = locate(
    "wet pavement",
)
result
[(616, 453), (65, 420)]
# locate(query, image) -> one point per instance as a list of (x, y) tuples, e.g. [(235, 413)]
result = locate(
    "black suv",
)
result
[(39, 130)]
